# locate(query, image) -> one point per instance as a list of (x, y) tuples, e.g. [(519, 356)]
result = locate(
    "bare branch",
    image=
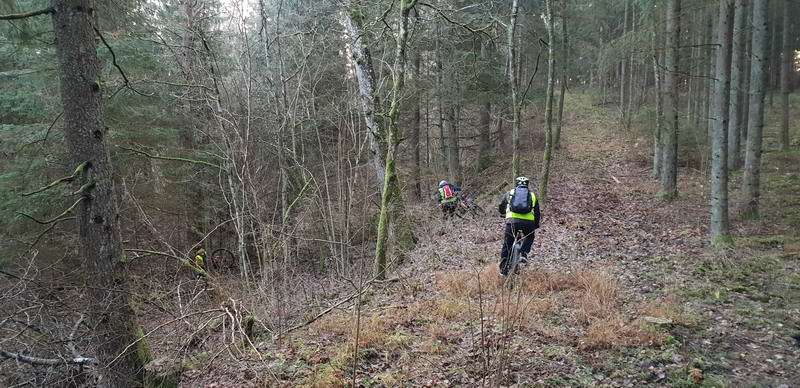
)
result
[(47, 361), (114, 62), (172, 158), (78, 171), (25, 15), (58, 218), (478, 31), (530, 81)]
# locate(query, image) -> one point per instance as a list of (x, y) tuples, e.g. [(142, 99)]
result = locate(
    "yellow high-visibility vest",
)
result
[(521, 216)]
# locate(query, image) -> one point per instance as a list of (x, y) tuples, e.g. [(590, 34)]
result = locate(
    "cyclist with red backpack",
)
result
[(448, 199), (521, 210)]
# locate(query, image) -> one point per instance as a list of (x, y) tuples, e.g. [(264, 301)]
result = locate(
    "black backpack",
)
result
[(520, 201)]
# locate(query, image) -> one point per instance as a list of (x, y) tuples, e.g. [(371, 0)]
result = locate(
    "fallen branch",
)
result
[(47, 361)]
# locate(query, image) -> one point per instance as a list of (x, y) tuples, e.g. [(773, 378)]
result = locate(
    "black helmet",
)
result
[(522, 181)]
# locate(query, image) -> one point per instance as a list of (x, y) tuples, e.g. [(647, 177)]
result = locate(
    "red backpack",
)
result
[(448, 192)]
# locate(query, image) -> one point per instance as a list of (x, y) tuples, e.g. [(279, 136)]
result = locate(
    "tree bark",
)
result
[(748, 62), (737, 73), (416, 127), (755, 124), (370, 104), (485, 137), (513, 79), (98, 214), (786, 70), (548, 115), (669, 173), (659, 97), (720, 234), (453, 149), (564, 77), (391, 183), (622, 77), (631, 74), (485, 114)]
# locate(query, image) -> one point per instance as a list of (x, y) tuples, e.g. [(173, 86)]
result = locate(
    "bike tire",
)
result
[(513, 265)]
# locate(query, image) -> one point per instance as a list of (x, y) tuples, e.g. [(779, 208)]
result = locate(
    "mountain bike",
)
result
[(514, 260), (467, 205)]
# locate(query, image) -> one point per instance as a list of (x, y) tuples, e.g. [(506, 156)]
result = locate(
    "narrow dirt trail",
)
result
[(609, 261)]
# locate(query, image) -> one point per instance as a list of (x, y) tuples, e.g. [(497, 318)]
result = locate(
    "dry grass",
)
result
[(465, 284), (450, 308), (590, 295), (667, 308), (599, 294), (614, 331)]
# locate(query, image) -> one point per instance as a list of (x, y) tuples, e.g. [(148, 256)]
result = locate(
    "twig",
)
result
[(132, 344), (297, 198), (186, 262), (535, 70), (114, 62), (47, 361), (59, 181), (339, 303), (172, 158), (462, 25), (57, 218)]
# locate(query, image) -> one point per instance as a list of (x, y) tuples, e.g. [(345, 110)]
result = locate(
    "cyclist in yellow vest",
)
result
[(521, 210), (200, 261)]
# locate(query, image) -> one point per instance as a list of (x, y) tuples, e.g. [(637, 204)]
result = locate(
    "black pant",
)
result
[(527, 228), (448, 209)]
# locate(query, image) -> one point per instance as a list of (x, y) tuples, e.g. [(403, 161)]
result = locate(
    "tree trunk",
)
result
[(775, 66), (485, 135), (657, 134), (453, 149), (748, 62), (500, 145), (737, 73), (513, 79), (564, 77), (707, 109), (391, 184), (720, 234), (786, 69), (669, 167), (631, 75), (370, 104), (755, 124), (440, 102), (114, 322), (622, 77), (485, 114), (415, 131), (548, 115)]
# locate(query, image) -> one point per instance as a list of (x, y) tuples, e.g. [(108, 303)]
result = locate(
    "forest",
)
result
[(399, 193)]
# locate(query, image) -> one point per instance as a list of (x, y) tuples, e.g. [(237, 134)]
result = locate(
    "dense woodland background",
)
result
[(299, 144)]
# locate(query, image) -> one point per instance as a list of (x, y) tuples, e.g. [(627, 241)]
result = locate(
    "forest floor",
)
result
[(623, 289)]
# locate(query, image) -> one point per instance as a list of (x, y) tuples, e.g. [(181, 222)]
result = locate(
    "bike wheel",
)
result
[(513, 265)]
